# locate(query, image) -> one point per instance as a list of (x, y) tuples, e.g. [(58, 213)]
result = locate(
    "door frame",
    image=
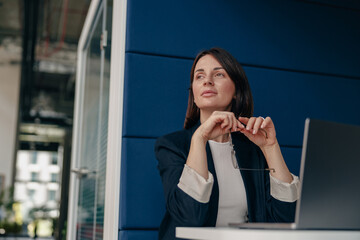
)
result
[(79, 95), (113, 162)]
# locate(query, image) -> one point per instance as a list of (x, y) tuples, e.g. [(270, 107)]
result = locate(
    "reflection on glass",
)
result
[(93, 140)]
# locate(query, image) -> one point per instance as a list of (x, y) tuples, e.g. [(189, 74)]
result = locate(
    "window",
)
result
[(54, 158), (33, 157), (34, 176), (31, 193), (51, 195), (54, 177)]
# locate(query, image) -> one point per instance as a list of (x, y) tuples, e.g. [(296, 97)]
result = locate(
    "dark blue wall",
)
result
[(301, 58)]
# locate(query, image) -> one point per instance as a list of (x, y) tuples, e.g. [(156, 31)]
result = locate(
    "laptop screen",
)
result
[(330, 177)]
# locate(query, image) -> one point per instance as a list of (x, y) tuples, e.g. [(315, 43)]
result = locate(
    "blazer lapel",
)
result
[(247, 158), (214, 198), (243, 151)]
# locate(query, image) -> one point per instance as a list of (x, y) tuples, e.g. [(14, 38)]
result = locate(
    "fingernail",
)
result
[(254, 131)]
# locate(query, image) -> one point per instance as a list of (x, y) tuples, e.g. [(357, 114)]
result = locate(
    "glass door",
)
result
[(91, 121)]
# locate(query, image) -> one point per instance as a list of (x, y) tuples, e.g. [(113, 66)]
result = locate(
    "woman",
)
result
[(225, 166)]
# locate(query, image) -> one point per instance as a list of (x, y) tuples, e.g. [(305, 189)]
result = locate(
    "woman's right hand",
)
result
[(219, 123)]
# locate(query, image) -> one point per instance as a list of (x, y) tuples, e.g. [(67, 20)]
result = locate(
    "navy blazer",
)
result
[(183, 211)]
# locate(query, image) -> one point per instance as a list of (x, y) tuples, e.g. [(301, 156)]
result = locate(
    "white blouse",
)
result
[(232, 200)]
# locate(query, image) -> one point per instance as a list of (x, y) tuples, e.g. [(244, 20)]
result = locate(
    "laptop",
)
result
[(330, 179)]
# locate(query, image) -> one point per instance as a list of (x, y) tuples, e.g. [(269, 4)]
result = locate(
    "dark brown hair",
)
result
[(242, 105)]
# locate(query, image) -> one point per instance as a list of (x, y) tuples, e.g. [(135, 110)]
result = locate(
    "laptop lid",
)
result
[(330, 177)]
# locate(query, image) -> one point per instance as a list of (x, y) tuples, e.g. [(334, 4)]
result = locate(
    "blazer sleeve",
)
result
[(171, 152), (276, 210)]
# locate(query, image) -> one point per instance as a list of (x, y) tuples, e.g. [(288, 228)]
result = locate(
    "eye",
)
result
[(199, 76), (219, 74)]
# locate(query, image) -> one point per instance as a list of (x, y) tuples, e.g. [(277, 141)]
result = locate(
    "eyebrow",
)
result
[(202, 70)]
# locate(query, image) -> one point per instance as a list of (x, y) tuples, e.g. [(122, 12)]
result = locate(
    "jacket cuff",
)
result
[(286, 192), (195, 185)]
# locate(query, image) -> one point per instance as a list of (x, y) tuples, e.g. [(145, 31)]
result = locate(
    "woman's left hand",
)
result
[(262, 132), (259, 130)]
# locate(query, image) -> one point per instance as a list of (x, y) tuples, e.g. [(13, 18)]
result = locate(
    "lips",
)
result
[(208, 93)]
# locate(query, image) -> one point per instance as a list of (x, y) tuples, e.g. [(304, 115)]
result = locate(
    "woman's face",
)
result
[(212, 87)]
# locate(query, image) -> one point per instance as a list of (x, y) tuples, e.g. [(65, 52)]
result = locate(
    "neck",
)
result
[(204, 115), (222, 138)]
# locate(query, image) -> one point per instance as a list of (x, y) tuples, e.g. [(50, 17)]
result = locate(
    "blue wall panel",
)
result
[(156, 97), (292, 158), (301, 58), (142, 198), (290, 97), (138, 235), (281, 34)]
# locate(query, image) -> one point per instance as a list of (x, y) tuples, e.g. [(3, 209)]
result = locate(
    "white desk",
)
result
[(211, 233)]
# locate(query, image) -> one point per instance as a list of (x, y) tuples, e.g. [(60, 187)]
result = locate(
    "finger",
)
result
[(234, 122), (225, 122), (239, 126), (265, 132), (267, 122), (231, 122), (250, 123), (268, 127), (247, 134), (244, 120), (257, 124)]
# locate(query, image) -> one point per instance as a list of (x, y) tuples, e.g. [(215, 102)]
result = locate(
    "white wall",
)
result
[(10, 65)]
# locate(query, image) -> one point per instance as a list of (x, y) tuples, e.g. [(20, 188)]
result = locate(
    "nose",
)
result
[(208, 80)]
